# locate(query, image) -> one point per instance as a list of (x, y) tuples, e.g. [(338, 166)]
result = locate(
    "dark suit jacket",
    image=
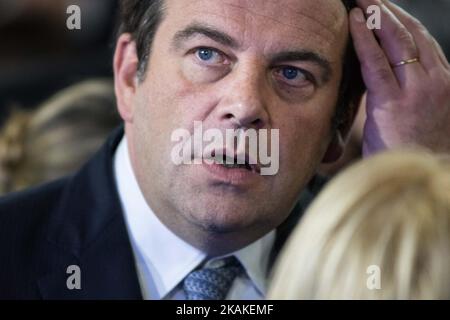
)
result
[(78, 221)]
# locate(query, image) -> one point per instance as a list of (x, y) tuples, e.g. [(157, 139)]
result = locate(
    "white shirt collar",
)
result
[(166, 257)]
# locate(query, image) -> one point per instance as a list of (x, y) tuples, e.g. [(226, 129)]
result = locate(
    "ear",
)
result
[(337, 145), (335, 148), (125, 75)]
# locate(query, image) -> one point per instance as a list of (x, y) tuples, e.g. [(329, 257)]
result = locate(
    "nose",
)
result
[(243, 103)]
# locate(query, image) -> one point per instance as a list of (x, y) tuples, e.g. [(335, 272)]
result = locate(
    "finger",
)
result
[(441, 54), (396, 41), (429, 50), (375, 68)]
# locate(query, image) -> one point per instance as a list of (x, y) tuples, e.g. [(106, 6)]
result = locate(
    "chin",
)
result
[(223, 220), (220, 228)]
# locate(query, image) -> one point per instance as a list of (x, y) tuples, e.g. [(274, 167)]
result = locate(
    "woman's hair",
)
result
[(388, 214), (58, 137)]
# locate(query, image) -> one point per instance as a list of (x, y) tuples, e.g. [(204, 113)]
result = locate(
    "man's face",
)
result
[(237, 64)]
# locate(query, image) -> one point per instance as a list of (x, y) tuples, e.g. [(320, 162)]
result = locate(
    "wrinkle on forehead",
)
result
[(321, 23), (325, 31), (335, 19)]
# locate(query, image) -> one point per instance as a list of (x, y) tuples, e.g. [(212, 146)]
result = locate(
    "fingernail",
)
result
[(358, 15)]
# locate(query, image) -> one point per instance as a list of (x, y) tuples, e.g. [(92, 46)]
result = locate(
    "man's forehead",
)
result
[(322, 22)]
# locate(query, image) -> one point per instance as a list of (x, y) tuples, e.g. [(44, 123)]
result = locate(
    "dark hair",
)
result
[(141, 19)]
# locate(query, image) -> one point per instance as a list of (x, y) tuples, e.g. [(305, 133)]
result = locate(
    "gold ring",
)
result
[(404, 62)]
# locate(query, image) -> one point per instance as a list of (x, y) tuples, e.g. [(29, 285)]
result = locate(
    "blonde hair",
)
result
[(391, 211), (58, 137)]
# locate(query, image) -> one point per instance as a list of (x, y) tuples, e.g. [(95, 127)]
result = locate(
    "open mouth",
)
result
[(233, 163)]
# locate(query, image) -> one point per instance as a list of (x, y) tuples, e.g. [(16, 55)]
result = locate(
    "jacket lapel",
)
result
[(88, 230)]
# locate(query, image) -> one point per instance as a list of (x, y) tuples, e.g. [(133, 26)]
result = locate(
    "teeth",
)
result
[(235, 165)]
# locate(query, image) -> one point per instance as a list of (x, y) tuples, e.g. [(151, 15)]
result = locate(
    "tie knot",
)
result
[(213, 280)]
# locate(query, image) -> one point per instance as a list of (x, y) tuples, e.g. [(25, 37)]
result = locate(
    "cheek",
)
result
[(301, 145), (305, 134), (161, 106), (179, 101), (166, 102)]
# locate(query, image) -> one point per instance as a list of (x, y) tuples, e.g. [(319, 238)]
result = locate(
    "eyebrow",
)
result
[(196, 29), (221, 37)]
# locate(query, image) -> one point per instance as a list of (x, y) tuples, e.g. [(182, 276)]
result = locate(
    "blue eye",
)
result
[(290, 73), (294, 77), (210, 57), (205, 54)]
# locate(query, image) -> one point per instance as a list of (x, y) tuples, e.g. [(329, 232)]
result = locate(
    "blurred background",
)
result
[(57, 102), (40, 56)]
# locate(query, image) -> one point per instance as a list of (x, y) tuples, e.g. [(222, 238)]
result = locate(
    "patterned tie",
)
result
[(213, 281)]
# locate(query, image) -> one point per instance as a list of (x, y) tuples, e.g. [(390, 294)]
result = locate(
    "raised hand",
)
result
[(407, 78)]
